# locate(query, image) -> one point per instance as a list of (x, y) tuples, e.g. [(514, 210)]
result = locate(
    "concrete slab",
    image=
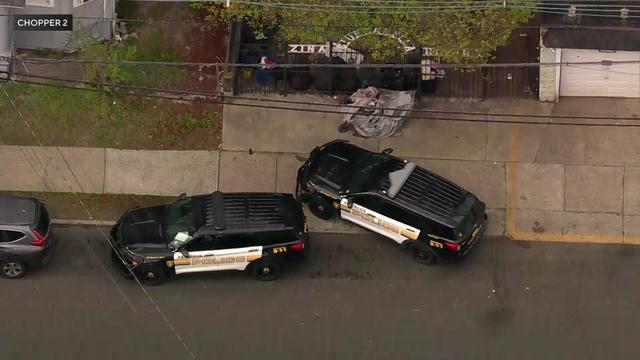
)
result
[(538, 221), (592, 224), (593, 188), (590, 146), (501, 145), (439, 140), (537, 186), (287, 171), (241, 171), (162, 172), (632, 229), (483, 178), (288, 131), (632, 225), (632, 191), (496, 226), (34, 168)]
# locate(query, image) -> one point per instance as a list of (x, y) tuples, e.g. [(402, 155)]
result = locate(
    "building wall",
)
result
[(548, 74), (100, 29), (5, 38)]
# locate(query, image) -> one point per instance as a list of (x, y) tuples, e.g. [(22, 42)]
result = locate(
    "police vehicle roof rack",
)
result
[(253, 209)]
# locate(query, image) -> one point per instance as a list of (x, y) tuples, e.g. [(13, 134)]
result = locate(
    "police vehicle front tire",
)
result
[(151, 275), (423, 255), (321, 207), (267, 270)]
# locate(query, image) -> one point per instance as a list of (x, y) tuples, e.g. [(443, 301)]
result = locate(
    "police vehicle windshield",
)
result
[(369, 171), (179, 217)]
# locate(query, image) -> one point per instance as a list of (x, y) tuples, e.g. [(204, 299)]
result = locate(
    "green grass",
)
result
[(102, 206), (69, 117)]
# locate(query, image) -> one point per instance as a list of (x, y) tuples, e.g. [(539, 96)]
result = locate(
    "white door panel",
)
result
[(615, 80), (377, 222), (216, 260)]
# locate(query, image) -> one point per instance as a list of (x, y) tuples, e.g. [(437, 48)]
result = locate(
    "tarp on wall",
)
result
[(378, 114)]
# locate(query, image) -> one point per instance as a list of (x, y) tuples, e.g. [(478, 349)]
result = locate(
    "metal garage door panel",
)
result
[(616, 80)]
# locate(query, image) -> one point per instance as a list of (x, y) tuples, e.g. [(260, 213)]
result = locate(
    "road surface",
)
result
[(356, 297)]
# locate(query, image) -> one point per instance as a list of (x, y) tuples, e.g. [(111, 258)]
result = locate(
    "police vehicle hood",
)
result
[(141, 231)]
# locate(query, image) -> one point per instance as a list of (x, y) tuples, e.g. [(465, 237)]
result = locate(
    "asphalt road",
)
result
[(356, 297)]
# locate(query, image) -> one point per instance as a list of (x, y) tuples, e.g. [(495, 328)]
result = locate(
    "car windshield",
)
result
[(369, 171), (179, 218)]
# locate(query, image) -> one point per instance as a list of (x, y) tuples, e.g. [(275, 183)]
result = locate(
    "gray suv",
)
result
[(25, 235)]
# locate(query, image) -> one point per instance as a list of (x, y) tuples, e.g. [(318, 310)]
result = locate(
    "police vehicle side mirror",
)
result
[(350, 202), (387, 151), (182, 196), (184, 253)]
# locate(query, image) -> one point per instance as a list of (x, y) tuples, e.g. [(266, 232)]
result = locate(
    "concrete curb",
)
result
[(83, 222)]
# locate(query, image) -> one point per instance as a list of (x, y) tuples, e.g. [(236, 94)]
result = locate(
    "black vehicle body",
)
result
[(225, 231), (26, 239), (417, 207)]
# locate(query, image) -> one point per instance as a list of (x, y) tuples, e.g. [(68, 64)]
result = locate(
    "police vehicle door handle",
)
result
[(254, 250)]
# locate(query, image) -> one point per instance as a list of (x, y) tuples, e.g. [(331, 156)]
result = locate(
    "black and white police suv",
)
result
[(213, 232), (428, 214)]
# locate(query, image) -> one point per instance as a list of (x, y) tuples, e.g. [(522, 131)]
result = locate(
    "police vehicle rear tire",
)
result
[(267, 270), (423, 255), (151, 275), (321, 207)]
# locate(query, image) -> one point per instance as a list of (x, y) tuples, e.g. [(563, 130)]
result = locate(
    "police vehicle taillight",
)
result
[(452, 247), (297, 247)]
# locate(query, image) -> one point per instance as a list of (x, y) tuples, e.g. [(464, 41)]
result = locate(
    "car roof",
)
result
[(225, 211), (16, 210), (425, 193), (430, 195)]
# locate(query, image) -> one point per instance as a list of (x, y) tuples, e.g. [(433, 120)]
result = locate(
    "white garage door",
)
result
[(615, 80)]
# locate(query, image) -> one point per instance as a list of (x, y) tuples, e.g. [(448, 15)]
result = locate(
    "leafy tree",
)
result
[(453, 33)]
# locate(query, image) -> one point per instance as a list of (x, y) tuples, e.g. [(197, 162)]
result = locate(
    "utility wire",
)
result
[(356, 66), (86, 209), (304, 107)]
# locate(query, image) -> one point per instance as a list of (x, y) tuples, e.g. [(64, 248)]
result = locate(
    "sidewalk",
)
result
[(540, 182)]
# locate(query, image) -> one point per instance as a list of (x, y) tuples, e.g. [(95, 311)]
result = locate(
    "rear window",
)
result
[(42, 226)]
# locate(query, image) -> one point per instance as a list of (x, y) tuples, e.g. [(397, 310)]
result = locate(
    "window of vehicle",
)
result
[(233, 241), (371, 202), (441, 230), (202, 243), (77, 3), (7, 236), (46, 3), (397, 213), (179, 217), (369, 171), (42, 227)]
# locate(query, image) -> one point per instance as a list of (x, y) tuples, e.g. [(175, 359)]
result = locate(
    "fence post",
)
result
[(285, 79), (331, 70), (420, 69)]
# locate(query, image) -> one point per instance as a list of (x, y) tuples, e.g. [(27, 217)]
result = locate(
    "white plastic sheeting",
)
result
[(378, 114)]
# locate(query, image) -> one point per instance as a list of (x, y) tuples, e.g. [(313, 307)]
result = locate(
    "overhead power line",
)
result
[(304, 107), (90, 215), (357, 66)]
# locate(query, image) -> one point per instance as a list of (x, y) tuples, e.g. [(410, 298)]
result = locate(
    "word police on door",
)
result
[(43, 22)]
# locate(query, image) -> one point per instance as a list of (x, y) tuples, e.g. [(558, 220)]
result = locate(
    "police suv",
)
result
[(428, 214), (214, 232)]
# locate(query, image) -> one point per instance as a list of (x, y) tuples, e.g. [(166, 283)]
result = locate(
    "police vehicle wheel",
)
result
[(321, 207), (12, 268), (151, 275), (267, 270), (122, 269), (424, 255)]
